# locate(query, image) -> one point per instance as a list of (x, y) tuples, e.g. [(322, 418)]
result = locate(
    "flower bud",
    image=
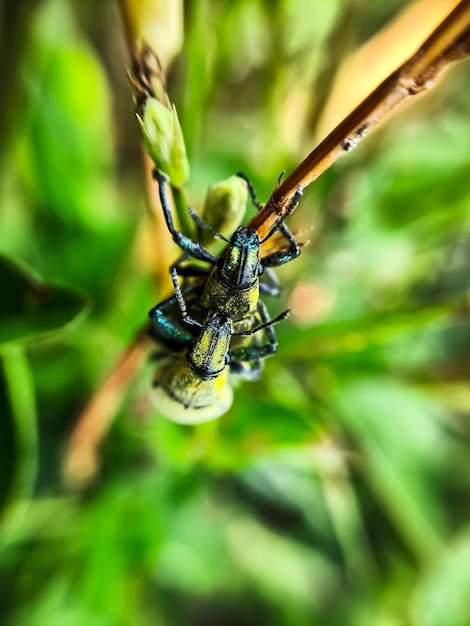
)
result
[(163, 140), (161, 130), (224, 206)]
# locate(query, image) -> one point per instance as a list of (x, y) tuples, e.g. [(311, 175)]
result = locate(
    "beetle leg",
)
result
[(190, 247), (284, 256), (270, 286), (181, 301), (162, 326), (246, 371)]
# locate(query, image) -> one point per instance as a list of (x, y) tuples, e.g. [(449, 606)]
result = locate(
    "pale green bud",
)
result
[(224, 206), (163, 140)]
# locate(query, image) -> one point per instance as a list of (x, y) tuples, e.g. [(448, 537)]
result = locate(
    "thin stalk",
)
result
[(448, 43)]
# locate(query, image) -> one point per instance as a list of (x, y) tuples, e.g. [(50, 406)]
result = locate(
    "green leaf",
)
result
[(357, 332), (441, 598), (399, 432), (18, 437), (29, 307), (7, 445)]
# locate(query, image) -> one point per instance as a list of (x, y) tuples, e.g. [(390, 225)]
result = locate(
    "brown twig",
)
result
[(81, 460), (448, 43)]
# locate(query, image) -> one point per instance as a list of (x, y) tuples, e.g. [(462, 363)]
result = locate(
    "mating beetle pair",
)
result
[(204, 321)]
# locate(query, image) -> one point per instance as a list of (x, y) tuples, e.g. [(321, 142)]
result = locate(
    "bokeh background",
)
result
[(335, 490)]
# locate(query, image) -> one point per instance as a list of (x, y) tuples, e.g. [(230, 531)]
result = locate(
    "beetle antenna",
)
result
[(198, 220), (252, 331)]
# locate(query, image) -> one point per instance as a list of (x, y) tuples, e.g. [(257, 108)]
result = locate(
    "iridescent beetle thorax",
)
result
[(232, 287)]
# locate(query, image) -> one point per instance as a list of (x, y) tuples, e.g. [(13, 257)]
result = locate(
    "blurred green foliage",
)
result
[(335, 491)]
